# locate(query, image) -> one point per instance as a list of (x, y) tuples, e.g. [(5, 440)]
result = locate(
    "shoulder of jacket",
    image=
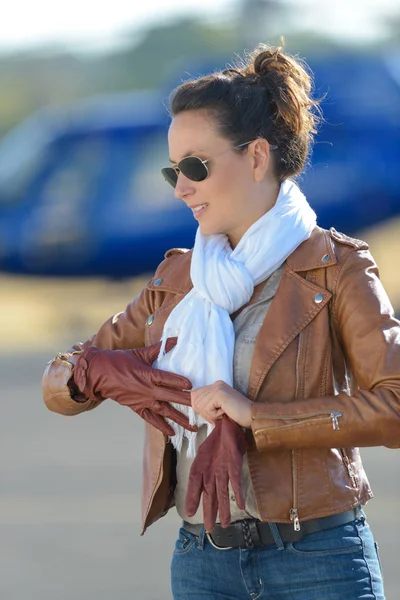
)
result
[(342, 238), (173, 251), (173, 273)]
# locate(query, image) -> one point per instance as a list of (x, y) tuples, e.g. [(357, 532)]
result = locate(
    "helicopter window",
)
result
[(134, 186), (73, 179), (65, 193), (14, 186), (23, 151), (146, 188)]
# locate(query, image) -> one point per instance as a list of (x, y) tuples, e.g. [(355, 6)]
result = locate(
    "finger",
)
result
[(177, 396), (195, 489), (235, 477), (149, 354), (170, 380), (211, 417), (218, 414), (206, 403), (222, 486), (170, 343), (157, 422), (169, 412), (210, 505)]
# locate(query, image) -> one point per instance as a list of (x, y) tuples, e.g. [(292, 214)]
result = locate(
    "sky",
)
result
[(89, 22), (92, 25)]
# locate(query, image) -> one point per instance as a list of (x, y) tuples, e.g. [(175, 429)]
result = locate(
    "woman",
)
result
[(286, 339)]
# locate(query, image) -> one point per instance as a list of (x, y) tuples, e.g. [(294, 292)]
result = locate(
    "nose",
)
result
[(184, 187)]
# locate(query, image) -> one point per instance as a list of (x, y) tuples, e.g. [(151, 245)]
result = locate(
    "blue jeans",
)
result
[(336, 564)]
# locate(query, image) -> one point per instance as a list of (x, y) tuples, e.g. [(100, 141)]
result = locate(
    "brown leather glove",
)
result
[(218, 461), (127, 377)]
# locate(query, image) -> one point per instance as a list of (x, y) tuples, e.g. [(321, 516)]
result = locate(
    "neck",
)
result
[(260, 205)]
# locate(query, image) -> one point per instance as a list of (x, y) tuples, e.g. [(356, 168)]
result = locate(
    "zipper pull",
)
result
[(295, 518), (335, 419), (353, 476), (350, 471)]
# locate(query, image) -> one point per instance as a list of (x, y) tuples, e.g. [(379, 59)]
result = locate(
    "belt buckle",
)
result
[(215, 545)]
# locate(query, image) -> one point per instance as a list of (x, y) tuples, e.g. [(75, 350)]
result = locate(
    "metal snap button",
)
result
[(318, 298), (158, 281), (150, 320), (326, 258)]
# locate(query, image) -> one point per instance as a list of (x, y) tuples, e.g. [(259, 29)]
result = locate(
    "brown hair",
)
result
[(266, 96)]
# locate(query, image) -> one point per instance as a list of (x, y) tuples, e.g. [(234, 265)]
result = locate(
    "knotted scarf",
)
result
[(223, 281)]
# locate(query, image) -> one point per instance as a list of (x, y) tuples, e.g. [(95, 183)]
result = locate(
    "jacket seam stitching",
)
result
[(324, 379), (336, 283), (328, 481)]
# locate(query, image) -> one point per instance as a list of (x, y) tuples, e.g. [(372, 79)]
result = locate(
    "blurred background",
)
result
[(85, 217)]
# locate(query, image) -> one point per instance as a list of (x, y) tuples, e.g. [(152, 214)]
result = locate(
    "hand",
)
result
[(213, 401), (219, 460), (127, 377)]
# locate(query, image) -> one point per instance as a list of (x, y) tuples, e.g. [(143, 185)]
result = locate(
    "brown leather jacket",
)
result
[(325, 379)]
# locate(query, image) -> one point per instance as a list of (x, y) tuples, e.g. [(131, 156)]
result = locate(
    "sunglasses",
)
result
[(194, 168)]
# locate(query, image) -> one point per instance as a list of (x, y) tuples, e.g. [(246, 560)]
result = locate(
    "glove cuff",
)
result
[(81, 370)]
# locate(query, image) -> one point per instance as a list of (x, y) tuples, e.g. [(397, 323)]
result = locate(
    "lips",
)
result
[(198, 208)]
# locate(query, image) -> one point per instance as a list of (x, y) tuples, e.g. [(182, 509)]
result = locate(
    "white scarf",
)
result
[(224, 281)]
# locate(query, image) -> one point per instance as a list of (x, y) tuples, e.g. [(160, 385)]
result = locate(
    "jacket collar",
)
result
[(173, 275), (314, 253)]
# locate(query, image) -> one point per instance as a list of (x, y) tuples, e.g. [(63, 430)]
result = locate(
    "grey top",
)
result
[(246, 325)]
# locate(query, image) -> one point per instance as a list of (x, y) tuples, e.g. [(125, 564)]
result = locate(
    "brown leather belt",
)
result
[(251, 533)]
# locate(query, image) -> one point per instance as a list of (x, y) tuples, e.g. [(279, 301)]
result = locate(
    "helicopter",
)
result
[(81, 193)]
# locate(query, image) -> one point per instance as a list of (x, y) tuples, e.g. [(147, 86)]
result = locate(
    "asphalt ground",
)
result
[(70, 501)]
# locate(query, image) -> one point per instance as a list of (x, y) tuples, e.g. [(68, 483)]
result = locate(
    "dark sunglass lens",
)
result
[(193, 168), (170, 175)]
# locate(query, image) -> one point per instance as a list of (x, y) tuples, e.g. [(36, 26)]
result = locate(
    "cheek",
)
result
[(226, 183), (231, 175)]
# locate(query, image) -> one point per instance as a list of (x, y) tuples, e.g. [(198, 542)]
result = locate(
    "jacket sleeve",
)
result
[(122, 331), (370, 335)]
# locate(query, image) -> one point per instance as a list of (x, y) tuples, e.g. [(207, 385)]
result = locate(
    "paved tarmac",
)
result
[(70, 501)]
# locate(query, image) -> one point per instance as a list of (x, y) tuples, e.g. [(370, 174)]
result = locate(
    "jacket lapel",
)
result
[(296, 303)]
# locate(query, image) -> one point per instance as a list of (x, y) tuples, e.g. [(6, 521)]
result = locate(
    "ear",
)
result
[(260, 152)]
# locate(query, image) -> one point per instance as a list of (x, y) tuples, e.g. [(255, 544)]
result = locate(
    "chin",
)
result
[(210, 230)]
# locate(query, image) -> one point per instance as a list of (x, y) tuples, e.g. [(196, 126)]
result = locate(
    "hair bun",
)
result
[(269, 61), (264, 94)]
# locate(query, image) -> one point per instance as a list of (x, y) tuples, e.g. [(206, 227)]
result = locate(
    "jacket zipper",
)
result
[(293, 513), (150, 502), (345, 459), (297, 364), (349, 468), (332, 415)]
